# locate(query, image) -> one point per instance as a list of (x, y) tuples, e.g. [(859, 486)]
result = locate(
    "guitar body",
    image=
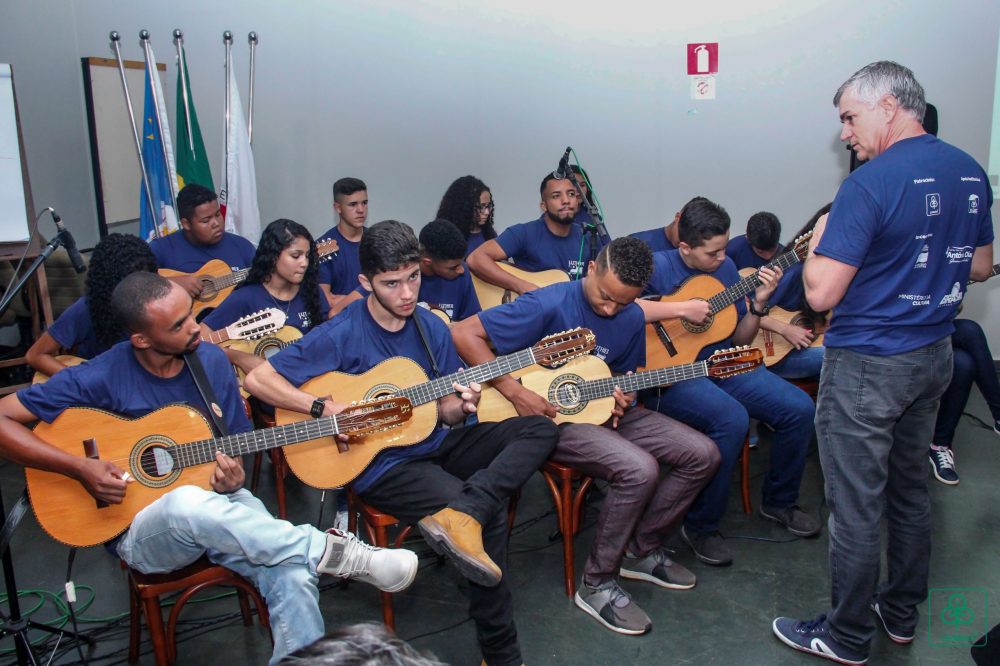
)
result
[(318, 462), (775, 346), (491, 295), (66, 359), (676, 341), (268, 345), (211, 295), (68, 512)]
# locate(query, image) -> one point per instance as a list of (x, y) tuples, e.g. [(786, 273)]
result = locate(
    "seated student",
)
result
[(444, 282), (282, 276), (759, 245), (468, 204), (227, 524), (720, 408), (85, 329), (202, 238), (640, 510), (663, 239), (338, 276), (553, 241), (583, 215), (455, 483)]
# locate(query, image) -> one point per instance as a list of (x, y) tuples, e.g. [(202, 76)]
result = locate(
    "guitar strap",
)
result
[(205, 390), (427, 346)]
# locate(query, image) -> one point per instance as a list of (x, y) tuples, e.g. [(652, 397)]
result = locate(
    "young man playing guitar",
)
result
[(720, 409), (455, 482), (229, 525), (445, 282), (640, 510)]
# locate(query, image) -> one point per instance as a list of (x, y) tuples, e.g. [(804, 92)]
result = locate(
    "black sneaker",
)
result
[(814, 637), (659, 569), (709, 547), (896, 634), (943, 465), (793, 519), (610, 605)]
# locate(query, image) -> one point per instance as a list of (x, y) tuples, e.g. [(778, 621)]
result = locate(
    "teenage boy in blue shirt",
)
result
[(338, 275), (444, 281)]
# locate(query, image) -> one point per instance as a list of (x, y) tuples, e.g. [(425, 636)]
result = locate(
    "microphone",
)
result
[(69, 243), (563, 167)]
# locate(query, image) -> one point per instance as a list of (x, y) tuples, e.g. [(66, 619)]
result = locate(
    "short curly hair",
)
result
[(442, 241), (115, 257), (460, 206), (630, 259)]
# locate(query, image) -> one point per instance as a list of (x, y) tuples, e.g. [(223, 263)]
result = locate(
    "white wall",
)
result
[(410, 95)]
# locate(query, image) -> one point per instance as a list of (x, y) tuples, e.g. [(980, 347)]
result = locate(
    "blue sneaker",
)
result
[(813, 637), (895, 634)]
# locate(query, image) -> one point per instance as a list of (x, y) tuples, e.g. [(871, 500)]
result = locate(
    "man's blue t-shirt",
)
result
[(341, 270), (353, 342), (656, 239), (177, 253), (670, 272), (910, 221), (742, 254), (116, 382), (621, 340), (74, 331), (251, 298), (534, 248), (457, 297)]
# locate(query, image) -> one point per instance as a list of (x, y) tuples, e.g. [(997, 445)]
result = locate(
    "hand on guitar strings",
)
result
[(192, 284), (769, 277), (696, 311), (228, 474), (799, 337), (623, 402), (469, 395), (104, 480)]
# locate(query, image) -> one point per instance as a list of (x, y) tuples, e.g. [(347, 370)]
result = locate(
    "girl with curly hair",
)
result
[(468, 204), (86, 329)]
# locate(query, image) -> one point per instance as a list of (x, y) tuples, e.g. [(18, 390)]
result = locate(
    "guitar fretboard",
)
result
[(740, 289), (232, 279), (602, 388), (438, 388)]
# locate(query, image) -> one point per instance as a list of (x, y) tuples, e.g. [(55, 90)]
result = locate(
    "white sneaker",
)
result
[(388, 569)]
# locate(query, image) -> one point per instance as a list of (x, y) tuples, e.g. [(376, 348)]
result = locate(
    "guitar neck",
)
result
[(438, 388), (217, 337), (740, 289), (232, 279), (602, 388)]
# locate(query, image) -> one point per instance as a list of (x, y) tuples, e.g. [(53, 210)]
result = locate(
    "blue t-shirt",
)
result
[(656, 239), (251, 298), (534, 248), (742, 254), (475, 240), (456, 297), (910, 221), (790, 293), (175, 252), (74, 331), (353, 342), (116, 382), (621, 340), (670, 272), (341, 270)]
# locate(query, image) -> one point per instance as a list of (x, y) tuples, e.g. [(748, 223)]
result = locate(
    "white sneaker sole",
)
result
[(899, 640), (816, 653), (586, 608), (938, 477), (650, 578)]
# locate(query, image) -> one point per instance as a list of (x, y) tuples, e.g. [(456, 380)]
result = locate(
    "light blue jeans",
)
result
[(237, 532)]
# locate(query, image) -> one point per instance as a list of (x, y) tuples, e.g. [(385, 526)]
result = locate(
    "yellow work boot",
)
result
[(459, 535)]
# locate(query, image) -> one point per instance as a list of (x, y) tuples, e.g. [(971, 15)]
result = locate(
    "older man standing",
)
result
[(905, 234)]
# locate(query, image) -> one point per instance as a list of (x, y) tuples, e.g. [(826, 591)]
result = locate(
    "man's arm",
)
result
[(825, 279), (42, 355), (339, 301), (268, 385), (747, 329), (982, 264), (694, 311), (483, 263)]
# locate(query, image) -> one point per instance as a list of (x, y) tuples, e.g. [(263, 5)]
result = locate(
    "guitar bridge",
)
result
[(664, 337)]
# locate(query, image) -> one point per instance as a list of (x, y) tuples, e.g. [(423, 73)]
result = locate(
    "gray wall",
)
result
[(410, 95)]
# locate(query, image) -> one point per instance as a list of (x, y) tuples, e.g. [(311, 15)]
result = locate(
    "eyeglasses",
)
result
[(485, 208)]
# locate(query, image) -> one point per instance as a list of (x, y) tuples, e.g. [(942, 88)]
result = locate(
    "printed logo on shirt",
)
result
[(923, 236), (974, 203), (601, 352), (576, 268), (971, 179), (918, 181), (933, 204), (305, 319), (922, 257), (916, 299), (959, 254), (954, 297)]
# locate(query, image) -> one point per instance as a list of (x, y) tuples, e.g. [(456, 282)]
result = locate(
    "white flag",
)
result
[(239, 195)]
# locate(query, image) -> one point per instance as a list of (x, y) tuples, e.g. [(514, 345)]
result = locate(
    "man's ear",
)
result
[(365, 282), (140, 341)]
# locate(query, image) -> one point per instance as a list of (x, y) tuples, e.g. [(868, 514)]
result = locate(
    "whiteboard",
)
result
[(13, 210)]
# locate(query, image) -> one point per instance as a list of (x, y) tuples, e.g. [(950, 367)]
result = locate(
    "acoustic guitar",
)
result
[(264, 348), (674, 341), (313, 463), (168, 447), (774, 345), (218, 280), (582, 390), (248, 328), (491, 295)]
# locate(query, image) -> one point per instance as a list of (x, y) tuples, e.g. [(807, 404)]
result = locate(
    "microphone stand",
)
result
[(50, 247), (598, 232)]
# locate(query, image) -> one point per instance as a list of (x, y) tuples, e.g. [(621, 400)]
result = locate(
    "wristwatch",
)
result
[(758, 313), (316, 411)]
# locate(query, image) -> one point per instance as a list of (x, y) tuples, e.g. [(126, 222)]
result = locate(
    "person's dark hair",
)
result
[(116, 256), (276, 237), (387, 246), (630, 259), (700, 220), (347, 186), (367, 644), (581, 175), (442, 241), (764, 231), (459, 205), (191, 197), (545, 181), (133, 294)]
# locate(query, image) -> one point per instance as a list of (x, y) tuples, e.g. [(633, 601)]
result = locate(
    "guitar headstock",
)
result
[(325, 249), (373, 415), (256, 325), (801, 245), (735, 361), (556, 349)]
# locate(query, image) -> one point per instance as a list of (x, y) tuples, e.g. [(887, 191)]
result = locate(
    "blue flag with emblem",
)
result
[(163, 217)]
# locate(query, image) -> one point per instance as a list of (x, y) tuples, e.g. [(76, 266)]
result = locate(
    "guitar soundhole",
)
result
[(269, 347), (564, 393), (694, 328), (381, 391), (152, 463)]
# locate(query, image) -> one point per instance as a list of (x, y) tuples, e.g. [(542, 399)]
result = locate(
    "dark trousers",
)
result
[(973, 363), (475, 471)]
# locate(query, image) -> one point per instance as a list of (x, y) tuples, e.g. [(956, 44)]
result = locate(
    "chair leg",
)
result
[(745, 475), (134, 622), (388, 615), (157, 634)]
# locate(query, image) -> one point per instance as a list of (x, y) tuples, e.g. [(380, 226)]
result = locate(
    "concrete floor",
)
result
[(724, 620)]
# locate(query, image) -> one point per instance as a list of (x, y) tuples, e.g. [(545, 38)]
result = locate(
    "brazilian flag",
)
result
[(192, 164)]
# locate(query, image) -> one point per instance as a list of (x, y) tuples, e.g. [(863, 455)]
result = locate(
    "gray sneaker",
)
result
[(610, 605), (794, 520), (388, 569), (659, 569), (708, 547)]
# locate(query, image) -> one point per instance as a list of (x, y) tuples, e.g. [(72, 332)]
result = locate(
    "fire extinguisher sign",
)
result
[(703, 58)]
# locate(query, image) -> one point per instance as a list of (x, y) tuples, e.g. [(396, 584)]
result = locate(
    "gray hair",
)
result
[(874, 81), (366, 644)]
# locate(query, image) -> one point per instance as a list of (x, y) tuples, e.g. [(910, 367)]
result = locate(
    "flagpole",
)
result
[(227, 38), (181, 68), (252, 38), (116, 47), (147, 50)]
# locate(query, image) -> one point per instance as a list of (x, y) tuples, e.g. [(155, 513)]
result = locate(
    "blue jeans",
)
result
[(872, 418), (973, 363), (800, 364), (720, 408), (237, 532)]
